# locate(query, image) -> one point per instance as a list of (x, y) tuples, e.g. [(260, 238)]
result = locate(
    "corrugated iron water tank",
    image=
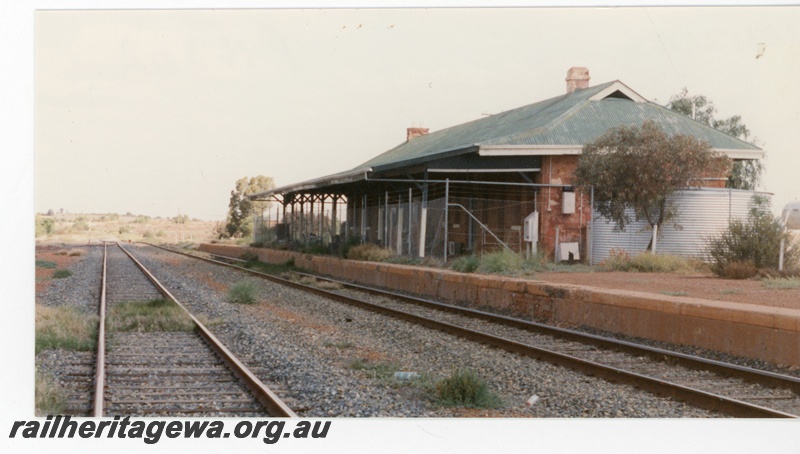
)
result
[(702, 214)]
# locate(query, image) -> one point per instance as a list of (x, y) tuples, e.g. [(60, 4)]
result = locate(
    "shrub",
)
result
[(738, 270), (660, 263), (61, 274), (466, 264), (80, 225), (503, 262), (342, 248), (315, 248), (45, 264), (249, 257), (756, 240), (44, 225), (464, 388), (243, 292), (620, 260), (369, 253)]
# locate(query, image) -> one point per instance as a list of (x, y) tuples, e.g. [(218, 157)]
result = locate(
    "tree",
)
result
[(745, 174), (638, 167), (240, 208), (44, 226)]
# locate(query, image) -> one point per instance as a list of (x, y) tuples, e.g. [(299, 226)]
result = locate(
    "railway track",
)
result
[(166, 373), (727, 388)]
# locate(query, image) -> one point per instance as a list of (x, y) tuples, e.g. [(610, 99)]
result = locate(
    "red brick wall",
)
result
[(572, 227)]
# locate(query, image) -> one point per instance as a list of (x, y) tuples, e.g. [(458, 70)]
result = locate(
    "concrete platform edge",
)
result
[(748, 330)]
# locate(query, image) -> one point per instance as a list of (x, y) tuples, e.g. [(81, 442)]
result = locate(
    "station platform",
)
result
[(756, 331)]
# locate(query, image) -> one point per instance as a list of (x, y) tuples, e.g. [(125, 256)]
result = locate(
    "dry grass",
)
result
[(738, 270), (369, 253), (78, 228), (243, 292), (65, 327), (782, 283), (649, 263), (50, 398), (154, 315)]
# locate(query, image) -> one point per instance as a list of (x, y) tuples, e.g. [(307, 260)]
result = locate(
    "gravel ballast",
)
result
[(328, 359), (331, 359)]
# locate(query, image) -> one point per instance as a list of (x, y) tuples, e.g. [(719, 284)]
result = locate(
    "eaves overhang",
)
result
[(563, 150), (350, 176), (425, 159)]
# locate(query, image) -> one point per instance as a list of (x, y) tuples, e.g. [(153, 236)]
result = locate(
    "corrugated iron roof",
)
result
[(572, 119), (484, 131), (576, 118)]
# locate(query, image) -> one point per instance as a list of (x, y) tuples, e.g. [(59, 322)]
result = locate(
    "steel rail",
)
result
[(100, 375), (656, 386), (695, 362), (263, 394)]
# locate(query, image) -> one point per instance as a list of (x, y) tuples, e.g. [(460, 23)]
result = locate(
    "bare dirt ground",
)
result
[(688, 285), (62, 256)]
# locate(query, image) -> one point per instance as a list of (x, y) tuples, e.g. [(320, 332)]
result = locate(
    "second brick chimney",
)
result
[(577, 79), (415, 132)]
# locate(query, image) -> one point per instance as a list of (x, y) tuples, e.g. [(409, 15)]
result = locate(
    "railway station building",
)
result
[(499, 182)]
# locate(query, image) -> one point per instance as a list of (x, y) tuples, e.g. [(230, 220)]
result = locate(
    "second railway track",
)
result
[(169, 373)]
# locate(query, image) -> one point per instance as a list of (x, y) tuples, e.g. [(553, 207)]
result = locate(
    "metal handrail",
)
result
[(481, 224)]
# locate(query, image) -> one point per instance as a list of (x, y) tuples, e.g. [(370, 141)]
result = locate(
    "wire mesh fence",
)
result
[(293, 225), (428, 219)]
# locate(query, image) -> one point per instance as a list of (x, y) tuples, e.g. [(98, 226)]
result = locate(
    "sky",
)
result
[(159, 112)]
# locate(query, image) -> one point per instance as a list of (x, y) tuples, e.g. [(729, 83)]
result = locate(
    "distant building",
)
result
[(470, 188)]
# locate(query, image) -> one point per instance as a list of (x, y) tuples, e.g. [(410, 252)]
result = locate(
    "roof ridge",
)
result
[(561, 118), (584, 92)]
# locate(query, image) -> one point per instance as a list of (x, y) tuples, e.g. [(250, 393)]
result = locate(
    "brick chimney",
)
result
[(577, 79), (415, 132)]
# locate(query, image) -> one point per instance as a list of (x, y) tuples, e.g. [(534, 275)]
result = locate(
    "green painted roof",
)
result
[(571, 119)]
